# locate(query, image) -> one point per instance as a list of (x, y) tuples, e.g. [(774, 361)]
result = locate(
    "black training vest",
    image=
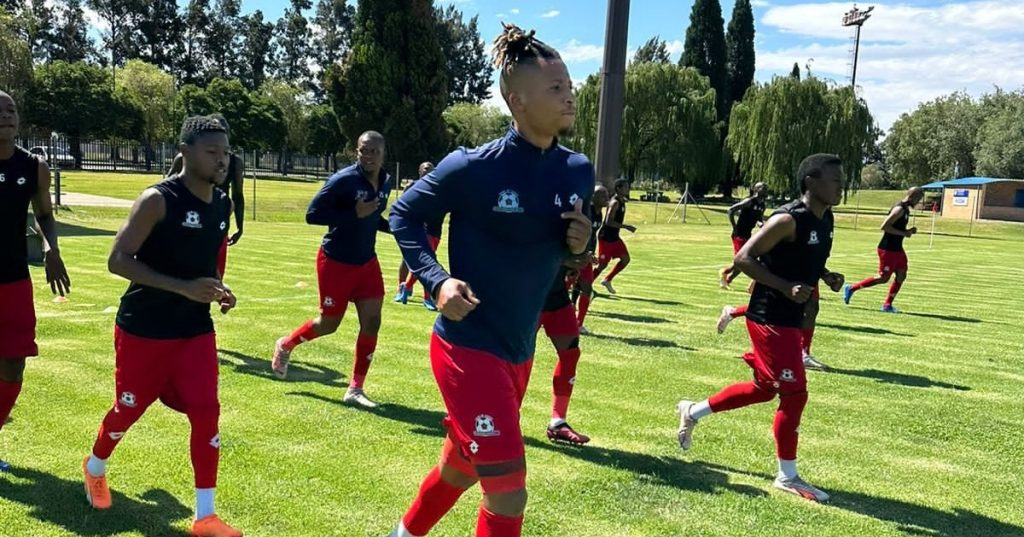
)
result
[(894, 243), (183, 245), (749, 217), (611, 234), (19, 181), (801, 260)]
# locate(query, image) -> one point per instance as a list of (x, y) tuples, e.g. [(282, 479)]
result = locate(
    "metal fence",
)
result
[(120, 155)]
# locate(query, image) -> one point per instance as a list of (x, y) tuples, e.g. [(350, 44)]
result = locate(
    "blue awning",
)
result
[(964, 181)]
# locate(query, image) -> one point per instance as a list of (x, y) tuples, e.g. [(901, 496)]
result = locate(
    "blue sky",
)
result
[(911, 50)]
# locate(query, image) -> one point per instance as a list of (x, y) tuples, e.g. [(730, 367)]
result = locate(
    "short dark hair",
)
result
[(222, 120), (515, 47), (814, 166), (195, 126), (373, 136), (619, 183)]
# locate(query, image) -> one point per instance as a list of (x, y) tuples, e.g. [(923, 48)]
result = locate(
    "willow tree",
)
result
[(669, 125), (781, 122)]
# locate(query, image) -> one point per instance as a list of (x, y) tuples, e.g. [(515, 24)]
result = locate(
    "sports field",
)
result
[(915, 431)]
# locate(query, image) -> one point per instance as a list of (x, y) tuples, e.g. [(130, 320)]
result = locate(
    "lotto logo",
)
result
[(115, 436), (474, 448), (215, 441)]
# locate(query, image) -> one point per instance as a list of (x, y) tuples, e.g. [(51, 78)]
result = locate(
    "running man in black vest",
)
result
[(24, 179), (892, 258), (164, 339), (750, 212), (786, 260), (609, 244), (232, 186)]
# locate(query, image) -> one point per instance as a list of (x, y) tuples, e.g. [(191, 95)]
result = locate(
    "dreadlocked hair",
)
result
[(195, 126), (514, 47)]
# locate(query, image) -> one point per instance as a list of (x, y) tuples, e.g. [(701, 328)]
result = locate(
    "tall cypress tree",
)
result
[(739, 45), (704, 49), (394, 79)]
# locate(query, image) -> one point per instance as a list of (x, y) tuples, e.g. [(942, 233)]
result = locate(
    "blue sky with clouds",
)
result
[(911, 50)]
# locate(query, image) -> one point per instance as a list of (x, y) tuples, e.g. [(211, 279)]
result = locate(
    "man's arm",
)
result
[(238, 199), (330, 206), (176, 165), (737, 208), (145, 214), (779, 228), (42, 207), (888, 225)]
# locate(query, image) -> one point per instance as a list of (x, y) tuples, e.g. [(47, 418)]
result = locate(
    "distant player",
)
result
[(892, 258), (609, 244), (232, 186), (786, 260), (516, 207), (750, 212), (164, 338), (24, 179), (558, 318), (407, 280), (350, 205), (583, 290)]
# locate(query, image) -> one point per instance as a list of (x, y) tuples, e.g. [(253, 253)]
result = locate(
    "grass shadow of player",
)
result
[(912, 519), (656, 470), (72, 230), (426, 422), (646, 319), (951, 318), (656, 301), (257, 367), (863, 329), (887, 377), (61, 502), (643, 342)]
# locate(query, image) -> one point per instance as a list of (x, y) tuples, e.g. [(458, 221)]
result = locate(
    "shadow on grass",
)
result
[(630, 318), (657, 301), (642, 342), (426, 422), (911, 519), (939, 317), (258, 367), (73, 230), (863, 329), (61, 502), (886, 377)]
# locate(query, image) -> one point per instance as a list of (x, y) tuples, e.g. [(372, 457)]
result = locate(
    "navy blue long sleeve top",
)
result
[(506, 237), (349, 239)]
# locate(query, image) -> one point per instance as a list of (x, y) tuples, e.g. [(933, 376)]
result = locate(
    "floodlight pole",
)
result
[(613, 93), (856, 17)]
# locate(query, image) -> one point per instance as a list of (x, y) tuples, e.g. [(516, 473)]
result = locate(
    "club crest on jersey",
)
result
[(814, 238), (192, 220), (484, 425), (508, 202), (360, 195), (787, 375), (127, 399)]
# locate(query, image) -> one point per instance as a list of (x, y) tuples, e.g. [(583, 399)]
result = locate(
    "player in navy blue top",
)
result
[(406, 280), (24, 181), (516, 211), (350, 205)]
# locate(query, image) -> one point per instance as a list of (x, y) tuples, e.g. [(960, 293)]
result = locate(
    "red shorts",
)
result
[(585, 273), (434, 242), (608, 250), (222, 258), (482, 394), (180, 372), (341, 283), (560, 323), (17, 320), (776, 357), (737, 243), (891, 261)]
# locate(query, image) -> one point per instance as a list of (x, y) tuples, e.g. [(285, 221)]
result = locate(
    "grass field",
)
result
[(916, 431)]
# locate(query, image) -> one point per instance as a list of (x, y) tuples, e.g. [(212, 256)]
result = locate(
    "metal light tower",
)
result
[(856, 17), (613, 92)]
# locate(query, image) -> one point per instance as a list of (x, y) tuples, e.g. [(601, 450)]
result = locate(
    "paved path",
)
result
[(89, 200)]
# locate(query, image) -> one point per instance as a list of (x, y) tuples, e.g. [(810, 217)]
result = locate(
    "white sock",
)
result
[(787, 469), (96, 467), (556, 422), (204, 503), (701, 409), (400, 531)]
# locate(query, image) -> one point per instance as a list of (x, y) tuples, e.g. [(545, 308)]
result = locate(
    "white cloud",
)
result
[(675, 47), (908, 54), (551, 14), (760, 3), (575, 51), (93, 19), (514, 11)]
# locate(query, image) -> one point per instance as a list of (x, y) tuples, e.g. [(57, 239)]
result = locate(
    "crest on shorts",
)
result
[(787, 375), (127, 399), (484, 425), (328, 301), (508, 202), (192, 220)]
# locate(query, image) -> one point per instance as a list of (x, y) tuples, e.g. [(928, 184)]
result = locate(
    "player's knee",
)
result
[(510, 504), (501, 478), (458, 475), (203, 411), (901, 277), (370, 324), (12, 370), (565, 343), (327, 324)]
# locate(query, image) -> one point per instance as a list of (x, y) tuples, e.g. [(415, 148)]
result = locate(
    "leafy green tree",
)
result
[(653, 51), (15, 59), (468, 67), (935, 141), (739, 47), (255, 51), (472, 125)]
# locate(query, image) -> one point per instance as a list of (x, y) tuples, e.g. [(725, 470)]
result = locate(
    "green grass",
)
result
[(916, 432)]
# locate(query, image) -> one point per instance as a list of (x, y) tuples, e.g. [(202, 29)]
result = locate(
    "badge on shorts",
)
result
[(128, 399), (485, 426), (787, 375)]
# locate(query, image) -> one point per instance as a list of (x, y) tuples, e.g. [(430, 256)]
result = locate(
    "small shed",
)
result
[(988, 198)]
